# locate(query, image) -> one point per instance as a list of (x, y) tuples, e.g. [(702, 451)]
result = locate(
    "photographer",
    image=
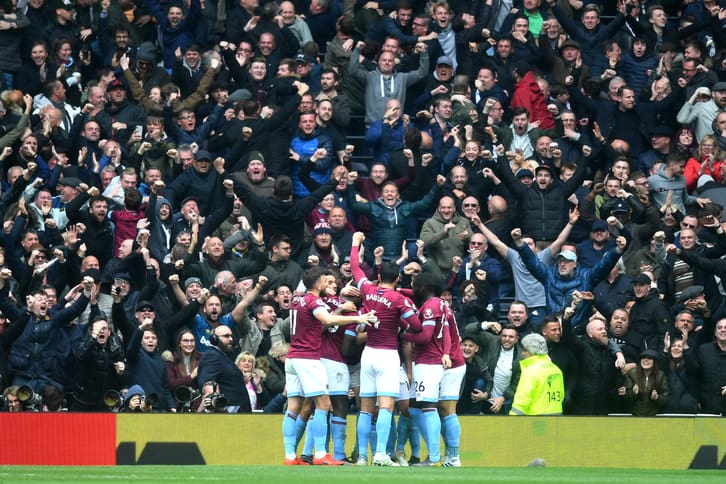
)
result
[(217, 365), (212, 400)]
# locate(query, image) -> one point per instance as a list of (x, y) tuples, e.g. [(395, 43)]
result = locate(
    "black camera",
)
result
[(217, 401), (186, 394)]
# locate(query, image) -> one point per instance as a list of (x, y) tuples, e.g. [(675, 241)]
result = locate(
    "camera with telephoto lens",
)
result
[(112, 399), (31, 401)]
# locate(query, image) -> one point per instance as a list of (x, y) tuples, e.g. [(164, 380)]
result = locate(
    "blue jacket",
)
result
[(172, 37), (559, 290), (305, 146), (382, 139), (219, 367), (38, 351), (149, 371)]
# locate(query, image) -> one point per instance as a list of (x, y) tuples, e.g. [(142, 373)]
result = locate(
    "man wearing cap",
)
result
[(646, 386), (255, 178), (543, 205), (660, 142), (145, 69), (649, 316), (63, 23), (50, 210), (566, 276), (477, 385), (119, 117), (702, 109), (566, 64), (541, 388), (202, 183), (591, 251), (322, 252)]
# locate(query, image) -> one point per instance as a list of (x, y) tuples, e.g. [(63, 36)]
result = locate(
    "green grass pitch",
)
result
[(352, 475)]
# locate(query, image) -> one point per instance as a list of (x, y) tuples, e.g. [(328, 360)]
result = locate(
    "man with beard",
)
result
[(329, 81), (217, 365), (630, 342), (211, 317), (98, 236), (599, 361)]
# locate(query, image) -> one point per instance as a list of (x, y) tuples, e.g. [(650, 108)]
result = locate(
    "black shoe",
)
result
[(307, 458), (414, 460), (350, 460)]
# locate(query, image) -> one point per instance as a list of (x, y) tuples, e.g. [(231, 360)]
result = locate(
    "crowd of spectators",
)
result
[(169, 169)]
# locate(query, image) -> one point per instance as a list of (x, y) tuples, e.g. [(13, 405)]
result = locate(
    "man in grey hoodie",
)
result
[(669, 179), (385, 83)]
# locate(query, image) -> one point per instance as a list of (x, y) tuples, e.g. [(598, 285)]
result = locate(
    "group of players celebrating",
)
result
[(326, 325)]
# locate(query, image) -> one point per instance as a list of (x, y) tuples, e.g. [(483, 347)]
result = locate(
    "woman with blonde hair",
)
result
[(708, 161)]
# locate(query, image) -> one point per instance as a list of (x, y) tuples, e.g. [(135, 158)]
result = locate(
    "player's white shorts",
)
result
[(354, 372), (405, 388), (379, 373), (338, 377), (451, 383), (427, 379), (305, 378)]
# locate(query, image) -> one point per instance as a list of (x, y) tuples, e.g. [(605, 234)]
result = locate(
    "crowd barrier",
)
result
[(124, 439)]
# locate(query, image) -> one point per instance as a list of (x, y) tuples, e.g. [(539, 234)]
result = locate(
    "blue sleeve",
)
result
[(533, 264)]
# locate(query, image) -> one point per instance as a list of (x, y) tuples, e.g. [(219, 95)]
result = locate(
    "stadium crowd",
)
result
[(182, 180)]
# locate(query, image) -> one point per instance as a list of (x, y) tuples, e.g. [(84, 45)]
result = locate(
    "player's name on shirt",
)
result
[(379, 299)]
